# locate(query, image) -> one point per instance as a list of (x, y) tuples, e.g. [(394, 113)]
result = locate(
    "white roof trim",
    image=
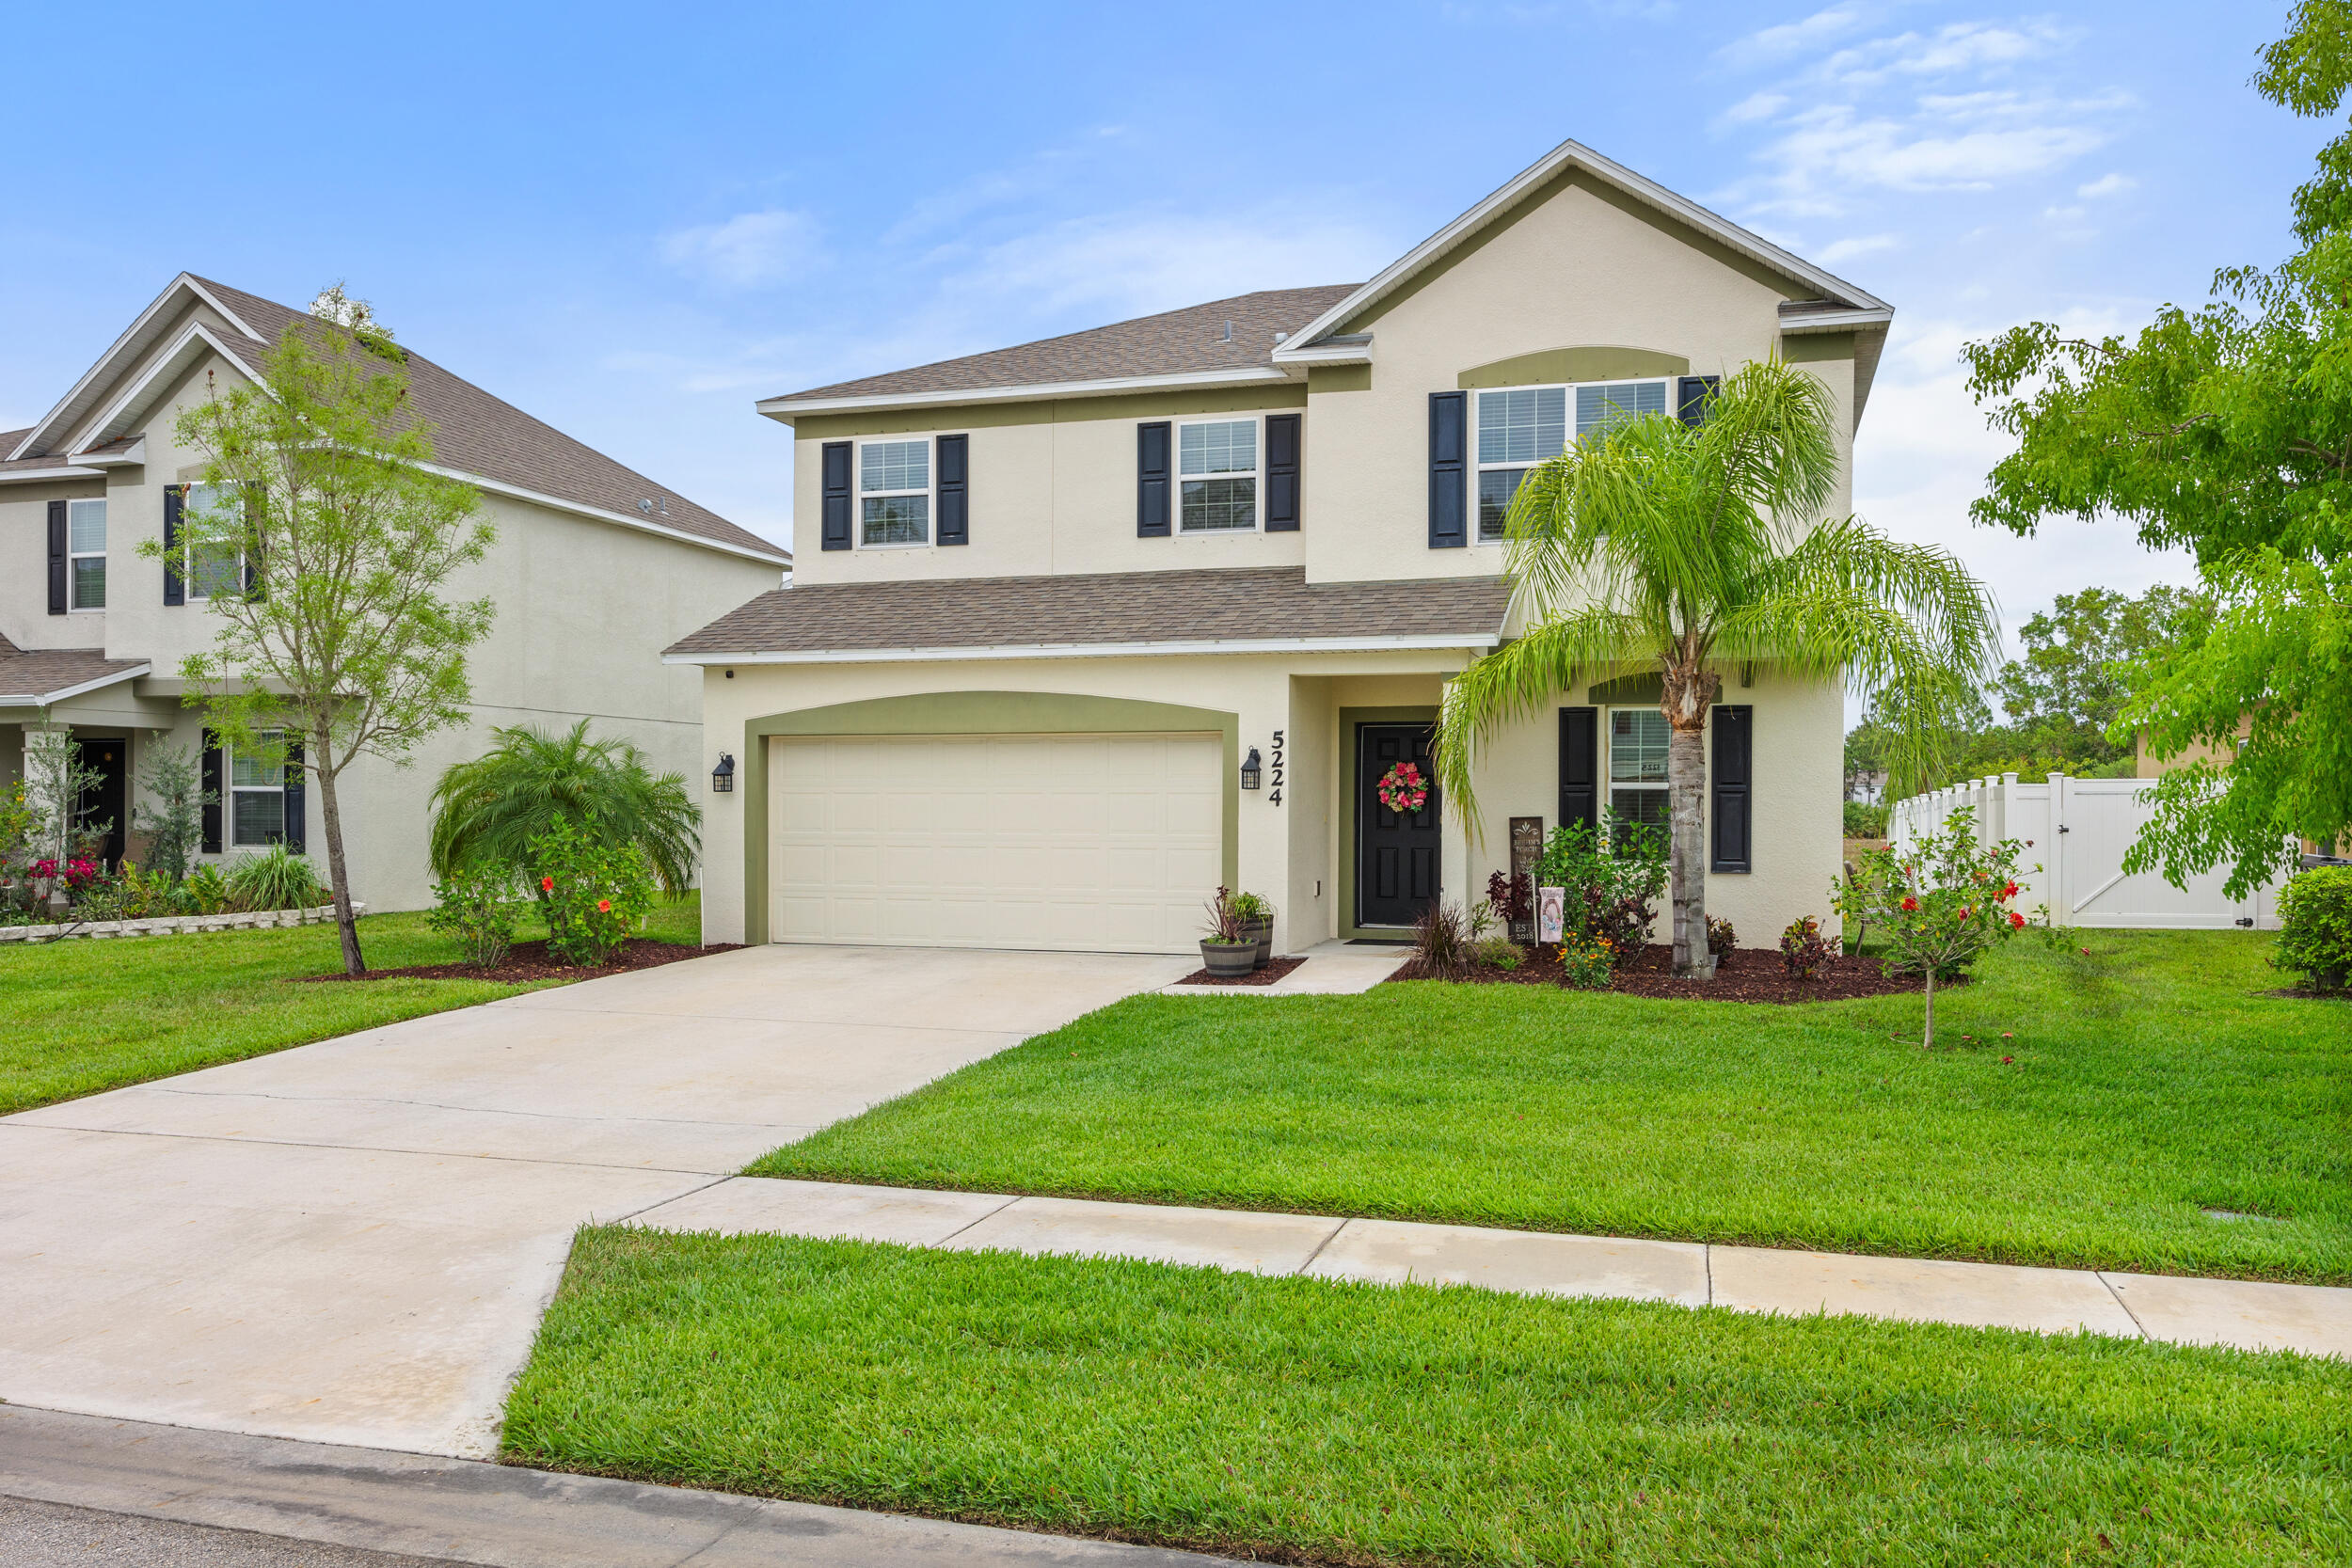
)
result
[(105, 360), (30, 476), (42, 699), (1479, 642), (1656, 194), (773, 553), (169, 363), (131, 457), (1031, 392), (1833, 321)]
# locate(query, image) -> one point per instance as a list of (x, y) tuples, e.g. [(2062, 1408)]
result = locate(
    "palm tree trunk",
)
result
[(1690, 689)]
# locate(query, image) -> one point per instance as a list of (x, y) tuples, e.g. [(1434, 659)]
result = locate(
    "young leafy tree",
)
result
[(174, 823), (344, 634), (1692, 550), (2227, 430)]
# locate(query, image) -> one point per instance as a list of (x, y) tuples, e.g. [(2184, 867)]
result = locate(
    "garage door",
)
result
[(1088, 842)]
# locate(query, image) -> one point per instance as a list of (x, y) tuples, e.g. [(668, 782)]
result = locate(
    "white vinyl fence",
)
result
[(2076, 831)]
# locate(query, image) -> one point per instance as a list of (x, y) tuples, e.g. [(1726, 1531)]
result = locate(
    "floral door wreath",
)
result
[(1403, 790)]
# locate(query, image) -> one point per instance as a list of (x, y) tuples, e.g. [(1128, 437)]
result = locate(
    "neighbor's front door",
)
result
[(1396, 854), (106, 798)]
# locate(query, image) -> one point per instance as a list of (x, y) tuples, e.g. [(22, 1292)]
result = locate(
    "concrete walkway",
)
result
[(1333, 969), (2315, 1320), (353, 1241), (442, 1511)]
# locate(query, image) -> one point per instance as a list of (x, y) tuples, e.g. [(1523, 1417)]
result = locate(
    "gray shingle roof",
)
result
[(29, 679), (9, 442), (481, 434), (1174, 342), (1248, 604)]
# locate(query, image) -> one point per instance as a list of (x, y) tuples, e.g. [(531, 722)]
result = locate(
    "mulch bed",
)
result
[(530, 961), (1744, 974), (1275, 968)]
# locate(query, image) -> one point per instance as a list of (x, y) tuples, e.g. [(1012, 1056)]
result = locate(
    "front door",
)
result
[(106, 802), (1396, 854)]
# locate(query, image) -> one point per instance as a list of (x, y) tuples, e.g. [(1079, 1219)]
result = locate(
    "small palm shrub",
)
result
[(274, 878), (480, 906), (2316, 927), (1803, 948), (595, 893), (495, 808)]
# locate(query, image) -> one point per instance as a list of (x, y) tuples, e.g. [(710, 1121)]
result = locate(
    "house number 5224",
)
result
[(1273, 797)]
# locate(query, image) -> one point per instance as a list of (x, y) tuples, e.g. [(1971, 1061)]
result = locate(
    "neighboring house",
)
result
[(1068, 595), (595, 569)]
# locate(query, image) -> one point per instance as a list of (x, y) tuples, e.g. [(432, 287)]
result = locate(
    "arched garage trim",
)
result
[(970, 713)]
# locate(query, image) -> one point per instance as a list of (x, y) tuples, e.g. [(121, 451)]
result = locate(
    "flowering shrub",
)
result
[(593, 892), (1587, 963), (78, 873), (479, 905), (1803, 948), (1612, 883), (1949, 899), (1403, 789)]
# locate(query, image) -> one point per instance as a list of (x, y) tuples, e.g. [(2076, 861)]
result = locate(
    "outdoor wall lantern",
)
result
[(722, 776), (1250, 771)]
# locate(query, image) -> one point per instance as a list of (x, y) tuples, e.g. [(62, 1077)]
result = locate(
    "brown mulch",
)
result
[(530, 961), (1744, 974), (1275, 968), (2305, 993)]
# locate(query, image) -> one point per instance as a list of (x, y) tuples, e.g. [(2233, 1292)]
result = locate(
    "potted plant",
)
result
[(1257, 925), (1226, 951)]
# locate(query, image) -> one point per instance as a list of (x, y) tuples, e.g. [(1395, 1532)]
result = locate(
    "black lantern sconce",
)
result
[(722, 776), (1250, 771)]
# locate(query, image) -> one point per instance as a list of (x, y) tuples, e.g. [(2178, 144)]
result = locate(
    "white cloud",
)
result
[(1861, 244), (1831, 150), (1755, 106), (2107, 185), (1795, 38), (750, 250), (1964, 47)]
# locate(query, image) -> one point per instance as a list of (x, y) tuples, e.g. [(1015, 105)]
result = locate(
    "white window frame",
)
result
[(1256, 475), (1609, 782), (1568, 390), (229, 773), (187, 549), (73, 582), (858, 493)]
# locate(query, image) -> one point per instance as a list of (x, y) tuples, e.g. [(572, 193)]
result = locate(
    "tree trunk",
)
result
[(331, 821), (1691, 691), (1926, 1040)]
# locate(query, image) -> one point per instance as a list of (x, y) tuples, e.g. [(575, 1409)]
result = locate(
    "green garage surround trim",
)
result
[(1349, 719), (944, 713)]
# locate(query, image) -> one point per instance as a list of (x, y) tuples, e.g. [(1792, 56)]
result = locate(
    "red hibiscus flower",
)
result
[(2016, 921), (546, 884), (2009, 892), (604, 906), (1965, 913), (1911, 906)]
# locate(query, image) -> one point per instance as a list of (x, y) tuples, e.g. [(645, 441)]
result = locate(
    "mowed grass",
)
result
[(1307, 1421), (2150, 1081), (82, 1016)]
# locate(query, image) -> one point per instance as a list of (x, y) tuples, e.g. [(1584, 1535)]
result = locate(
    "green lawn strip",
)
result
[(2151, 1082), (1308, 1422), (82, 1016)]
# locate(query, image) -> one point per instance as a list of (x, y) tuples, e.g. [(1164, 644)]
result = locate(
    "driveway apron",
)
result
[(353, 1242)]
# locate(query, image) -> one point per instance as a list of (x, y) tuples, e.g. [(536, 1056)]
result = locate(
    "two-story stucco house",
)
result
[(1096, 623), (595, 571)]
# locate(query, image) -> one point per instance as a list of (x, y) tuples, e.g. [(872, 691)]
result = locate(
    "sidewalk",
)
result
[(1333, 969), (2251, 1315)]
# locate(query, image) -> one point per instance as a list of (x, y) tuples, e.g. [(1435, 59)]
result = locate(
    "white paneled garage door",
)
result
[(1088, 842)]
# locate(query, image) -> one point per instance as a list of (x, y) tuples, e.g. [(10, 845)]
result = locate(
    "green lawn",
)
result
[(1306, 1422), (2151, 1082), (79, 1016)]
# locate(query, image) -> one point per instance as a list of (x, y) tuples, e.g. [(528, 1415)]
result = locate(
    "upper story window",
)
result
[(1522, 426), (257, 812), (1217, 469), (86, 553), (893, 493), (213, 568)]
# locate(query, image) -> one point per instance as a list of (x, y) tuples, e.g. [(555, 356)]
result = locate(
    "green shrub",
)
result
[(274, 878), (478, 904), (1722, 940), (1865, 821), (1613, 879), (1803, 948), (1498, 952), (594, 892), (2316, 927), (204, 891)]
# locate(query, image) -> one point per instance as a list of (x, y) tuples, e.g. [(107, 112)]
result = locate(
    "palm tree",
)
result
[(1684, 548), (491, 808)]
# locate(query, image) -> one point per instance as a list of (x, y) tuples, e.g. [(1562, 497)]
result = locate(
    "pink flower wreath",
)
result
[(1403, 790)]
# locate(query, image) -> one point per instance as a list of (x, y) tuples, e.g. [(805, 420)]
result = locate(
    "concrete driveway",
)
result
[(352, 1242)]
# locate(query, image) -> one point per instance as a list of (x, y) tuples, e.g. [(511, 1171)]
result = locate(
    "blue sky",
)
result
[(632, 221)]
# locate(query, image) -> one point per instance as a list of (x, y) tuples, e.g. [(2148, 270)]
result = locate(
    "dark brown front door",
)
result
[(1396, 854)]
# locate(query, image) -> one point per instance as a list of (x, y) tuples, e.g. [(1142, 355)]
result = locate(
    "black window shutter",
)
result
[(216, 793), (1729, 778), (1281, 473), (175, 590), (57, 558), (1693, 395), (837, 478), (297, 835), (1151, 464), (1449, 474), (1580, 765), (955, 503)]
